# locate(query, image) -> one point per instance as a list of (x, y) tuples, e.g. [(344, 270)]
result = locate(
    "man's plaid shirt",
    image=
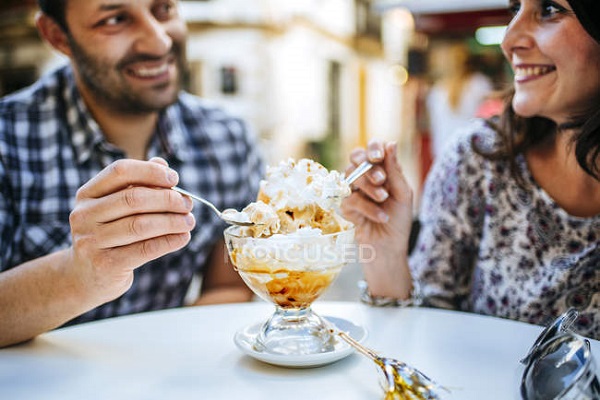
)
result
[(50, 146)]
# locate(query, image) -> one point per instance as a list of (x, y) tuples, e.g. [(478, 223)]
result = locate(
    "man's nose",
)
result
[(153, 38)]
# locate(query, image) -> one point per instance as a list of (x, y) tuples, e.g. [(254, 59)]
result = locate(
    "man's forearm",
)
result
[(38, 296)]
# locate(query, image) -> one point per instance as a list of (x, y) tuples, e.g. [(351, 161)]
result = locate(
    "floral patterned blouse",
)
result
[(490, 246)]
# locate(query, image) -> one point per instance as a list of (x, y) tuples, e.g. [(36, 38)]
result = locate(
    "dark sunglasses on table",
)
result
[(560, 365)]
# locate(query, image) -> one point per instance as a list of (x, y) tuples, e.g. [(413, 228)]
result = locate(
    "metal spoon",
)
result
[(230, 215), (358, 172), (401, 381)]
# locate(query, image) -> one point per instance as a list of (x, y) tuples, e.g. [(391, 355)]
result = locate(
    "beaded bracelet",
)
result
[(384, 301)]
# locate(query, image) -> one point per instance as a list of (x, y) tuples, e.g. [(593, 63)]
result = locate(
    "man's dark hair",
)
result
[(55, 9)]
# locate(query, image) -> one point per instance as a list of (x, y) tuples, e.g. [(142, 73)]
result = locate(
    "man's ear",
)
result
[(53, 33)]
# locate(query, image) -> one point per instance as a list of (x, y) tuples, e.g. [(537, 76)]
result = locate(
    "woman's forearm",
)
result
[(388, 275)]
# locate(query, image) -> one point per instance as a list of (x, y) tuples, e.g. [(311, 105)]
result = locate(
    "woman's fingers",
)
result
[(357, 205), (375, 151), (396, 183), (372, 183), (383, 192), (357, 156)]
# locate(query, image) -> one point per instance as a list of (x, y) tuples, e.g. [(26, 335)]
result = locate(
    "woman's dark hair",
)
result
[(519, 134), (55, 9)]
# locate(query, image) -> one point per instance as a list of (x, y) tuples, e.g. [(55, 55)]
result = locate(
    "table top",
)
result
[(189, 353)]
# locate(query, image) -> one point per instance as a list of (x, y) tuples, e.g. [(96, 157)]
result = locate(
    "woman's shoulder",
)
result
[(464, 164), (463, 179)]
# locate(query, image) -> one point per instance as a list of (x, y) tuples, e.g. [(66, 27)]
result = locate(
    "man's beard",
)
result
[(105, 81)]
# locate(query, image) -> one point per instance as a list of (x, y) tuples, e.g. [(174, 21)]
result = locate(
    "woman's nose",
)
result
[(518, 34)]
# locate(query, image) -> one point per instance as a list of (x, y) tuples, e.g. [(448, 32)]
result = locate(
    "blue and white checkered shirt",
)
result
[(50, 146)]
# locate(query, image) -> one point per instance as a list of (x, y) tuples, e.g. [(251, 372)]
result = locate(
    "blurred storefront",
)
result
[(22, 57), (477, 25), (310, 76), (314, 77)]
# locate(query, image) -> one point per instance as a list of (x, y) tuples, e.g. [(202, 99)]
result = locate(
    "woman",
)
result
[(511, 217)]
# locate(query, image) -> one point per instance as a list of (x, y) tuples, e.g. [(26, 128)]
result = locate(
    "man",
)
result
[(88, 229)]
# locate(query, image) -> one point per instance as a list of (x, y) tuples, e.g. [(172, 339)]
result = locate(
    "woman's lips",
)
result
[(524, 73)]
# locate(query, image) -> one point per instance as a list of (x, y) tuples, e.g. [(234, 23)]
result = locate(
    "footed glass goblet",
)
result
[(291, 272)]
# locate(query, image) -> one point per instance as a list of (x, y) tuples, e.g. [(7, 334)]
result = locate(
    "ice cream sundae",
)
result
[(296, 196), (294, 252)]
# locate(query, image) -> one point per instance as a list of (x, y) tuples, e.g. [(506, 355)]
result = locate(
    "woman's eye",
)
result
[(551, 9), (514, 7)]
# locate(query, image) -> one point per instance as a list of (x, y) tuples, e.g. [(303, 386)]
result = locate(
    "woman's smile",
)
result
[(529, 72)]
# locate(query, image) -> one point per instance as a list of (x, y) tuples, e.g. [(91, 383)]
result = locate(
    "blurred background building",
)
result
[(314, 78)]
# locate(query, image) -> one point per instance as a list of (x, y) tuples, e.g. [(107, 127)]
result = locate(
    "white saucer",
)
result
[(244, 340)]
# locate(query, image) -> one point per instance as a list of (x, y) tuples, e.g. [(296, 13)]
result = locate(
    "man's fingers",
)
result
[(159, 160), (126, 172), (135, 200), (140, 228), (139, 253)]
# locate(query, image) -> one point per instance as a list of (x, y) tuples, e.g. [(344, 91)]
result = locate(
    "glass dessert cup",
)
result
[(291, 272)]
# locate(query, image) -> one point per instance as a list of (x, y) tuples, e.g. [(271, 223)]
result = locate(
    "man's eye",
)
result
[(164, 10), (115, 20)]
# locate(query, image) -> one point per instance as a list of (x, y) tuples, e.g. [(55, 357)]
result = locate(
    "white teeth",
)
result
[(149, 72), (522, 72)]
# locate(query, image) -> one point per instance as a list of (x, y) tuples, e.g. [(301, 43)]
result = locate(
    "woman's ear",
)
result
[(53, 33)]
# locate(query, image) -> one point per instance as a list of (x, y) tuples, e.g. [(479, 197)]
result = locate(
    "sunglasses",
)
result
[(560, 364)]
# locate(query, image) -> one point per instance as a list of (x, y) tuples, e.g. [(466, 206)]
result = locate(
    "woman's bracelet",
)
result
[(384, 301)]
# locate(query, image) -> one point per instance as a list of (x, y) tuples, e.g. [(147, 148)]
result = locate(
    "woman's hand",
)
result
[(380, 207)]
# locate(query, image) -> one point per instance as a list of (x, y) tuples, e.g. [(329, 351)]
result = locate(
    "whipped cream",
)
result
[(299, 184), (298, 197)]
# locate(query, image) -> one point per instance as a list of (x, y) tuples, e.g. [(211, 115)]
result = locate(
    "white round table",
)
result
[(189, 353)]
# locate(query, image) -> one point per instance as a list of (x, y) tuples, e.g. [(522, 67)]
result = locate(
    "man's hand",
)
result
[(124, 217)]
